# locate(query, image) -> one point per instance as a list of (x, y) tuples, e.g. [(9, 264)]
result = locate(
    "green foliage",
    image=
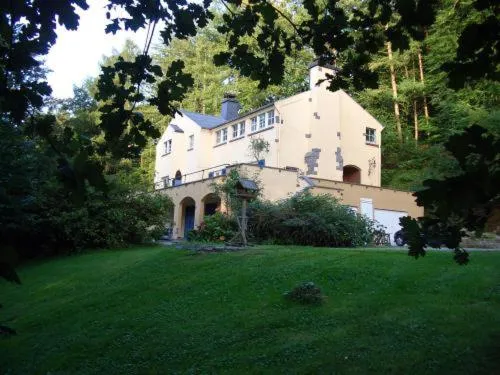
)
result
[(306, 293), (463, 201), (218, 227), (305, 219), (258, 148)]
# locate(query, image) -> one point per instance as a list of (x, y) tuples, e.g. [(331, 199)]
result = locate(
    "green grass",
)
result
[(161, 311)]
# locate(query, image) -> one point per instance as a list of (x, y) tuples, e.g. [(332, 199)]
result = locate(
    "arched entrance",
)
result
[(351, 174), (187, 209), (211, 204)]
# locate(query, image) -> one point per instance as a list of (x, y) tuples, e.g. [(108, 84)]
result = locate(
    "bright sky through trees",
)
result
[(76, 54)]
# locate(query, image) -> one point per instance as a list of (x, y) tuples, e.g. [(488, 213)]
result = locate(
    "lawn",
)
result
[(159, 311)]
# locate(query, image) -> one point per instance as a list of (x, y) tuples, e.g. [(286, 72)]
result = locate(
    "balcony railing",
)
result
[(218, 170)]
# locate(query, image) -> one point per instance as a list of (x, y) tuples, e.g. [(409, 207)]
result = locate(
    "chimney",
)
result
[(230, 107), (318, 70)]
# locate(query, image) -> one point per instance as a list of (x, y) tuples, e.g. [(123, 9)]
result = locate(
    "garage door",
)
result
[(390, 220)]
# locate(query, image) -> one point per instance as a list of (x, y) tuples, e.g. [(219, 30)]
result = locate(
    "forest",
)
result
[(77, 173)]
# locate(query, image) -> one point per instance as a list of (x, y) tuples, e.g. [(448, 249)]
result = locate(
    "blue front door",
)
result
[(188, 220)]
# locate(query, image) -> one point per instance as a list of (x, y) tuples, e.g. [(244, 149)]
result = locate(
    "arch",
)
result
[(211, 204), (351, 174), (187, 207)]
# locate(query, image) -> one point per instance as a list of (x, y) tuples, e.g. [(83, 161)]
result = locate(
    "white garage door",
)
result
[(390, 220)]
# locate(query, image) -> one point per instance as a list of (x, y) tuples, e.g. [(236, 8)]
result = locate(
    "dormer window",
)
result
[(370, 136), (168, 146)]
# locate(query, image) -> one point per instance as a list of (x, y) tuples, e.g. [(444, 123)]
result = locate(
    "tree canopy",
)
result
[(417, 65)]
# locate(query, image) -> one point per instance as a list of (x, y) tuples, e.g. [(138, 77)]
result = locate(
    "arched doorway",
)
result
[(351, 174), (211, 204), (187, 209)]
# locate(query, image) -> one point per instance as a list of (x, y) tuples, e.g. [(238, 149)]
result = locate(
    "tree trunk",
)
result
[(394, 92), (415, 119), (421, 69)]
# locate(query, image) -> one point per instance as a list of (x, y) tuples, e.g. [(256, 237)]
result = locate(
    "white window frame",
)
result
[(262, 121), (191, 142), (270, 117), (371, 136), (235, 130), (253, 127), (241, 129), (168, 146), (218, 137), (224, 135)]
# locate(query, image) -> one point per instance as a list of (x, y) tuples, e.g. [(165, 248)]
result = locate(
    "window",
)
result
[(270, 118), (221, 136), (239, 129), (370, 136), (254, 124), (164, 181), (191, 142), (262, 121), (168, 146)]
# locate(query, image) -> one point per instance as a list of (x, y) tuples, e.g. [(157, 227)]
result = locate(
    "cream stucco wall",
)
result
[(280, 183), (330, 124)]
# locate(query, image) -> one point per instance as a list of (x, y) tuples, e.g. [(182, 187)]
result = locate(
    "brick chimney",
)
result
[(230, 107)]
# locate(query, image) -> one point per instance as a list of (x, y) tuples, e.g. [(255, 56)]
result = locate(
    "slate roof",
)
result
[(248, 184), (204, 121), (212, 122), (176, 128)]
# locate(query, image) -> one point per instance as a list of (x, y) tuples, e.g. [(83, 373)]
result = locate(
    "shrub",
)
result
[(306, 293), (214, 228), (306, 219), (117, 218)]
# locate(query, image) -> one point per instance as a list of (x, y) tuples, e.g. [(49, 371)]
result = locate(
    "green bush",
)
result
[(306, 219), (103, 220), (214, 228)]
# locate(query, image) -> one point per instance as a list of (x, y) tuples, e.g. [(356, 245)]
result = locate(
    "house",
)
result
[(319, 140)]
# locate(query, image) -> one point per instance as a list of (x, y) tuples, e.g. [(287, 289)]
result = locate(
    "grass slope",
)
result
[(158, 311)]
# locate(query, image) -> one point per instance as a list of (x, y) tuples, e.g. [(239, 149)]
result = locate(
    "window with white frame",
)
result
[(253, 127), (221, 136), (262, 121), (191, 142), (168, 146), (371, 136), (270, 118), (239, 129)]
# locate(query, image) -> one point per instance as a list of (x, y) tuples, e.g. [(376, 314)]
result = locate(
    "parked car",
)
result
[(401, 239)]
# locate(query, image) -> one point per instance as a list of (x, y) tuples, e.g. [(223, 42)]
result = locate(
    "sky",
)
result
[(76, 54)]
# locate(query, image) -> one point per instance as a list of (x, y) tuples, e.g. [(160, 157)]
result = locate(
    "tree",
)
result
[(260, 34)]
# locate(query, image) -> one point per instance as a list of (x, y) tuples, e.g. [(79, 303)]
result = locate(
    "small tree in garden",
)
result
[(258, 148)]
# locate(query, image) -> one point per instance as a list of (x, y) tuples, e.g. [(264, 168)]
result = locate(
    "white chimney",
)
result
[(318, 71)]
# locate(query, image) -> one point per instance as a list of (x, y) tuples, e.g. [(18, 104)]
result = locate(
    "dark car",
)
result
[(401, 239)]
